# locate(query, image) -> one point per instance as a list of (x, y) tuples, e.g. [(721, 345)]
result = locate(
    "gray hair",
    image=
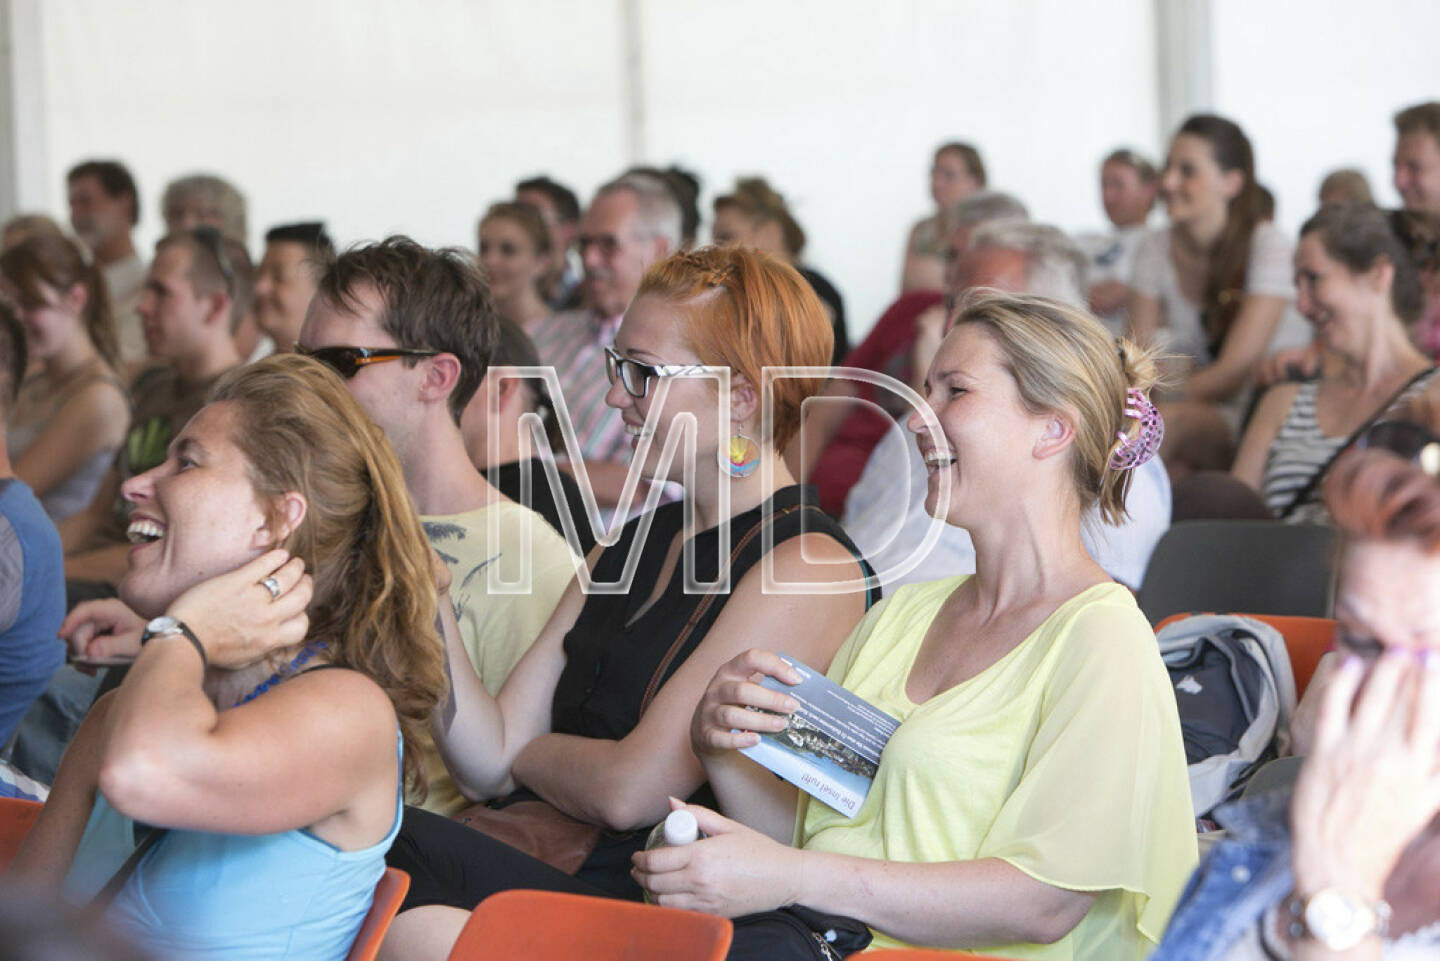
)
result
[(987, 205), (1055, 266), (658, 212), (212, 191)]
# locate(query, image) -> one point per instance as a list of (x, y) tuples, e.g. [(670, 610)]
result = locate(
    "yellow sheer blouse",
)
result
[(1063, 759)]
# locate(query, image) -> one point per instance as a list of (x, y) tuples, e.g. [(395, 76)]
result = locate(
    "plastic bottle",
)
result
[(678, 828)]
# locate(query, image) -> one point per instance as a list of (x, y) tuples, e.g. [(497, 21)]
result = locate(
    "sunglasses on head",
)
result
[(346, 361), (210, 240), (1407, 439)]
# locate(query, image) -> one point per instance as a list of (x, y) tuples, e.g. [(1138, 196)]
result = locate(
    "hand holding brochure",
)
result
[(831, 747)]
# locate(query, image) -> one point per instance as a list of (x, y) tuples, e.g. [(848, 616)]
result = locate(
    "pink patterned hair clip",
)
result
[(1129, 454)]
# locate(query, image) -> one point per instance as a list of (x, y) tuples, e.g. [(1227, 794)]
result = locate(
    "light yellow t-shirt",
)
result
[(498, 623), (1063, 758)]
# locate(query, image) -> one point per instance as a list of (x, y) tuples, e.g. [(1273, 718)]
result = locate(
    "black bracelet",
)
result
[(166, 626), (199, 648)]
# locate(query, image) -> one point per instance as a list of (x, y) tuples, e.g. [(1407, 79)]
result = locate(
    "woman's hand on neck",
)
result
[(226, 688)]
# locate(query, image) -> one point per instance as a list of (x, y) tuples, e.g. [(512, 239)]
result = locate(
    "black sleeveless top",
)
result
[(611, 656)]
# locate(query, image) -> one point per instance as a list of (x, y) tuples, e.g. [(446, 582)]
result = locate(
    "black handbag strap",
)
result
[(117, 880), (1303, 494)]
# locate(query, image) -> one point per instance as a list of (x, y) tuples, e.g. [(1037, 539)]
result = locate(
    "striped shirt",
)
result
[(574, 342), (1301, 450)]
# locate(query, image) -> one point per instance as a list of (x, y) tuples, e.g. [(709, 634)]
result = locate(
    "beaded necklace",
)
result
[(310, 649)]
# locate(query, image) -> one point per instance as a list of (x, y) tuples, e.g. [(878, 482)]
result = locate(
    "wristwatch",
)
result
[(164, 626), (1336, 919)]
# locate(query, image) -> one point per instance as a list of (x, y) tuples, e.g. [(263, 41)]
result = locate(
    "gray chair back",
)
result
[(1243, 567)]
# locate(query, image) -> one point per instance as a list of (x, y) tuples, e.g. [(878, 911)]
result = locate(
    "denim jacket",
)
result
[(1240, 877)]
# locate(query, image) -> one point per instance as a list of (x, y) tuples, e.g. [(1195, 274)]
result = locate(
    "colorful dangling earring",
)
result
[(741, 456)]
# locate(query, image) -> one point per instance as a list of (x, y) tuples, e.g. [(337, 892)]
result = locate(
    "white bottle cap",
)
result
[(680, 828)]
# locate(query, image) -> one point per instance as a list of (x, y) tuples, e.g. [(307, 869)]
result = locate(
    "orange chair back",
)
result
[(546, 926), (16, 817), (923, 954), (391, 890), (1306, 640)]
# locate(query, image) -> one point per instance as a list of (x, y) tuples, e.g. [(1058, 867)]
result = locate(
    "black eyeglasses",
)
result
[(635, 376), (214, 244), (347, 361), (1410, 440)]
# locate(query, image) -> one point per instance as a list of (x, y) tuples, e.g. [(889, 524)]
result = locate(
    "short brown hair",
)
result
[(1349, 182), (747, 310), (1421, 118), (968, 155), (1143, 168), (433, 300), (113, 178)]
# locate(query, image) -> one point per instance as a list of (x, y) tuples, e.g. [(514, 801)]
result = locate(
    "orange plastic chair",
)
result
[(1306, 641), (547, 926), (922, 954), (391, 890), (16, 817)]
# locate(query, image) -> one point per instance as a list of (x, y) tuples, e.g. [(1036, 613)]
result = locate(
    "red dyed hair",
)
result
[(746, 310)]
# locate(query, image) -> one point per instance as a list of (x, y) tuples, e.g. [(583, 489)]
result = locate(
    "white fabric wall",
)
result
[(1315, 84), (841, 105), (376, 116), (381, 116)]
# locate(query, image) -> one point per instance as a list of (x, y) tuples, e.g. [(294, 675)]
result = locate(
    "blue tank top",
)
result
[(197, 895)]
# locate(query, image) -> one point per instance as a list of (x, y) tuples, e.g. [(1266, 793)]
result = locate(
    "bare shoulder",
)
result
[(338, 694), (814, 558), (1275, 403)]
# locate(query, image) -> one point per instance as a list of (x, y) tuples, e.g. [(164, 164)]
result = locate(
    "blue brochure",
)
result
[(831, 747)]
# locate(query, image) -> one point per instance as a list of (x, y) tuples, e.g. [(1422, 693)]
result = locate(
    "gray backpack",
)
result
[(1236, 693)]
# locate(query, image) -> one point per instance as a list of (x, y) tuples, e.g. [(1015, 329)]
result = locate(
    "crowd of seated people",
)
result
[(478, 563)]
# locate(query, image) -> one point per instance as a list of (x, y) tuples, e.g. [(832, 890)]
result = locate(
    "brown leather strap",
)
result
[(702, 607)]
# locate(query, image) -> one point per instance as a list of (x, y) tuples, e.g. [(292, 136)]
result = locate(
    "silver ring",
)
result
[(273, 586)]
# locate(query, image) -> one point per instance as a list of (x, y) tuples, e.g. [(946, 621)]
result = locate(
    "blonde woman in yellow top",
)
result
[(1033, 802)]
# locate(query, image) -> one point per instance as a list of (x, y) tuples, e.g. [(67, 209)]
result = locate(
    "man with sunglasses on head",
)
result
[(632, 222), (187, 310), (412, 331)]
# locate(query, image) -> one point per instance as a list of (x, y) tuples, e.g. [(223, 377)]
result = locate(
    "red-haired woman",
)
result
[(595, 720)]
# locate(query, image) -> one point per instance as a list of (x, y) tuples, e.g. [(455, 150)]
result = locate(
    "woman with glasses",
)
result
[(1032, 802), (1358, 284), (594, 722), (235, 796), (1347, 865), (72, 413)]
